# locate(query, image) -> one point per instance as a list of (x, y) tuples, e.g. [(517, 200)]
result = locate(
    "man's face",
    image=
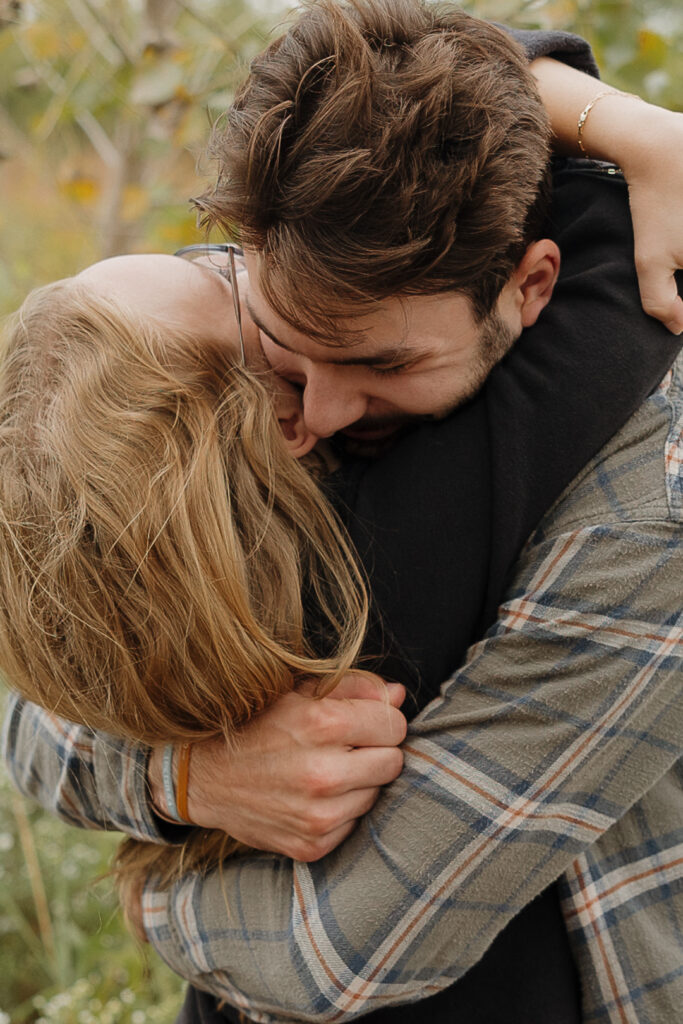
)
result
[(411, 358)]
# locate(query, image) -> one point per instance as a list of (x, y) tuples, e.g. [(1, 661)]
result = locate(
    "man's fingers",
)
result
[(396, 693), (352, 723), (313, 849), (350, 770), (372, 766), (375, 725), (659, 292), (323, 824), (325, 827), (321, 817), (368, 686), (674, 319)]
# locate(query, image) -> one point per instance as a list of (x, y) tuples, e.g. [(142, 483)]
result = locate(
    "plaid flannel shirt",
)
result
[(553, 752)]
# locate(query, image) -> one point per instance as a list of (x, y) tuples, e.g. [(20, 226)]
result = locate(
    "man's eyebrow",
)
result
[(386, 358)]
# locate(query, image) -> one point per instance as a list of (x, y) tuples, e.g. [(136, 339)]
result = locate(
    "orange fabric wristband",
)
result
[(183, 780)]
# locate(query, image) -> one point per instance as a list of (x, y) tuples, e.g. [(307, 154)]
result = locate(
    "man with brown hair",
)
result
[(385, 192), (384, 168)]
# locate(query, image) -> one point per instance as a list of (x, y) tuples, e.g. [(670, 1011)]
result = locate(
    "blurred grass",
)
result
[(65, 955), (67, 958)]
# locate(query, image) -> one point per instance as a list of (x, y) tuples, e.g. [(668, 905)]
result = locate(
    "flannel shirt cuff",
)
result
[(120, 768)]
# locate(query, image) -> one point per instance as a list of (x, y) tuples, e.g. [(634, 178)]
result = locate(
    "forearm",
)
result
[(645, 142), (642, 139), (85, 778), (545, 738), (617, 124), (568, 80)]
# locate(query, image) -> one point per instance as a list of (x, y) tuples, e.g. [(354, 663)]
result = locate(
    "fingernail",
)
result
[(675, 327)]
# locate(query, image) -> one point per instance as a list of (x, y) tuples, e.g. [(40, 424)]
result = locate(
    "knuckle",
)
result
[(325, 720), (655, 305), (316, 779), (369, 801), (308, 850), (645, 261), (320, 822), (314, 715), (297, 850)]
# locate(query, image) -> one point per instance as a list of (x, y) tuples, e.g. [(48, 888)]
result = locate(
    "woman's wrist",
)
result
[(588, 117), (644, 138), (625, 130)]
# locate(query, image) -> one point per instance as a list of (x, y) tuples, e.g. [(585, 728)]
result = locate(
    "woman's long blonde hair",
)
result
[(164, 561)]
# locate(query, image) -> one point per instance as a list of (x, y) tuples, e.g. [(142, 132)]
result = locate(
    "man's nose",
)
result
[(330, 404)]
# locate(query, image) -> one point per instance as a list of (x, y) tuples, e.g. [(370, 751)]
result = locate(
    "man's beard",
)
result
[(358, 448), (495, 341)]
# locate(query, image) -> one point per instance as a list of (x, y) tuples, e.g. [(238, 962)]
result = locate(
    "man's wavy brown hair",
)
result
[(379, 148), (156, 537)]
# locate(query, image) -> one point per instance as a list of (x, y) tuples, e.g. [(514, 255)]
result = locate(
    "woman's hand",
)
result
[(652, 162), (647, 143), (299, 775)]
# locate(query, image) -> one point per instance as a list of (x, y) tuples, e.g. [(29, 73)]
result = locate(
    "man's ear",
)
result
[(534, 280), (298, 437)]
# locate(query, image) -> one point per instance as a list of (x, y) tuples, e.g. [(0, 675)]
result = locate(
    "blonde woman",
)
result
[(157, 534)]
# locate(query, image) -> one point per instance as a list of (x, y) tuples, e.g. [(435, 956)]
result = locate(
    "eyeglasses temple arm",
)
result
[(236, 302)]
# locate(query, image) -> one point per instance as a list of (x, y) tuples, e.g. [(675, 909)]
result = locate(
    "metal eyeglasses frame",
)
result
[(206, 248)]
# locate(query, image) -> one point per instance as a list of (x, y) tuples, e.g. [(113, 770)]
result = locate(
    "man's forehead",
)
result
[(361, 347), (401, 328), (332, 330), (386, 333)]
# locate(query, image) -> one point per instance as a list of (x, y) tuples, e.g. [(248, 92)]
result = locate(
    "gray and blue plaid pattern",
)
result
[(87, 779)]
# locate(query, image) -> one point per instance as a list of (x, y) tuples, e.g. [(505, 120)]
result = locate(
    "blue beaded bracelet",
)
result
[(169, 786)]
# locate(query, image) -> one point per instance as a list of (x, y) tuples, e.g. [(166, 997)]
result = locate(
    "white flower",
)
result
[(6, 843)]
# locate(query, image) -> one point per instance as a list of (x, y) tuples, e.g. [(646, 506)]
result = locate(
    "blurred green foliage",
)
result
[(104, 110), (105, 106), (638, 43), (65, 956)]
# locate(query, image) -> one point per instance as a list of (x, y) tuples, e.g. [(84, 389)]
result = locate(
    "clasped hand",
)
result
[(298, 776)]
